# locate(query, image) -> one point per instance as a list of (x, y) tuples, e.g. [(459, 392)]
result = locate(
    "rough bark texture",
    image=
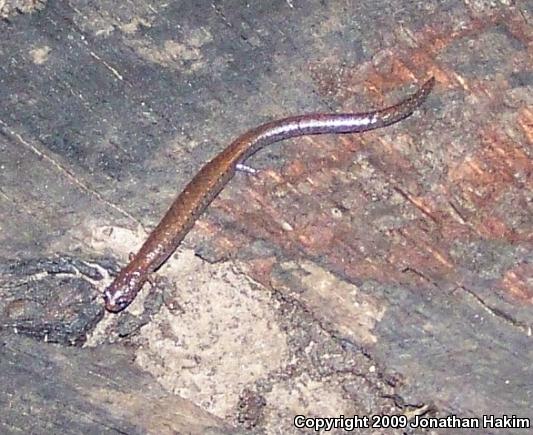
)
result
[(383, 273), (49, 389)]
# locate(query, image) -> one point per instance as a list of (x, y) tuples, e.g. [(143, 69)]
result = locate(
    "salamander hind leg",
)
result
[(247, 169)]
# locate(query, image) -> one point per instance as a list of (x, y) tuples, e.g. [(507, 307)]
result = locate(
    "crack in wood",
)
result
[(109, 67), (408, 197), (67, 173), (500, 314)]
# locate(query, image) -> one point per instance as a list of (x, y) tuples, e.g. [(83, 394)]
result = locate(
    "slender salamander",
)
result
[(210, 180)]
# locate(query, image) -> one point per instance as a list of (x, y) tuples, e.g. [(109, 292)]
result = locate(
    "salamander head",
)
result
[(114, 300), (121, 292)]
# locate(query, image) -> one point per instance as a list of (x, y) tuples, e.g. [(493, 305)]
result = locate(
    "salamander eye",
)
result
[(121, 303), (115, 303)]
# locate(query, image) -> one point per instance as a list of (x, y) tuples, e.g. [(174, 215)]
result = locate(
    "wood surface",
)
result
[(383, 273)]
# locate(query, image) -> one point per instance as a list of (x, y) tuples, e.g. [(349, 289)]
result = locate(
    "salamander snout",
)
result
[(122, 291), (114, 301)]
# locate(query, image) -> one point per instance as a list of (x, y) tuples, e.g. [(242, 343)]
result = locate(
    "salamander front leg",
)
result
[(154, 280)]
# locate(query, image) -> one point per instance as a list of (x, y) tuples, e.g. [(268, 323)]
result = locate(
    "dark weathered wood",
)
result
[(393, 268), (50, 300), (49, 389)]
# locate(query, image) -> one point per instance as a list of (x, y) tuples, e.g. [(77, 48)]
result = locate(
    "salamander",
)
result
[(212, 178)]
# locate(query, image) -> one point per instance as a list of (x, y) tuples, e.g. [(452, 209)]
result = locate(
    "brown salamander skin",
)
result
[(210, 180)]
